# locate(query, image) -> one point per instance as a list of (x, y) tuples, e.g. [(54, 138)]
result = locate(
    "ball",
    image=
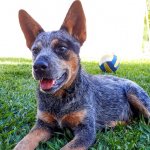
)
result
[(109, 63)]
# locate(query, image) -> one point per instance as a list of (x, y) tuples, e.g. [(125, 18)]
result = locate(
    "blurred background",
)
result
[(121, 27)]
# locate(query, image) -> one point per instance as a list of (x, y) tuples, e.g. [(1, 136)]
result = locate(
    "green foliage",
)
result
[(146, 25), (18, 108)]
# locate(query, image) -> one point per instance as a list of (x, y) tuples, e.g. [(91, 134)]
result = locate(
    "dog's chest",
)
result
[(65, 112), (71, 119)]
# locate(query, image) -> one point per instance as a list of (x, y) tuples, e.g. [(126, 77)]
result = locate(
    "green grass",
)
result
[(18, 108)]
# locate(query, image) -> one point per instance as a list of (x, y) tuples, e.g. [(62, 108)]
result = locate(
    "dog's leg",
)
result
[(69, 146), (32, 139), (113, 124), (137, 104), (84, 137), (139, 99)]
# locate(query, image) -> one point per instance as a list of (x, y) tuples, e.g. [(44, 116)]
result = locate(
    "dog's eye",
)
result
[(61, 49), (36, 50)]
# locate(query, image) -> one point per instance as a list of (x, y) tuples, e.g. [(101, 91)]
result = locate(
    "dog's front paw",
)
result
[(69, 147), (24, 145), (20, 146)]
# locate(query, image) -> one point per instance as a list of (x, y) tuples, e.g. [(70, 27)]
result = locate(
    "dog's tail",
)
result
[(138, 99)]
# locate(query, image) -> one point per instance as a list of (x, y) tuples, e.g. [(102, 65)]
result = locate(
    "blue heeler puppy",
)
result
[(68, 96)]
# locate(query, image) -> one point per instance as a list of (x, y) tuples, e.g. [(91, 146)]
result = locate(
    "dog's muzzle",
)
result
[(50, 80)]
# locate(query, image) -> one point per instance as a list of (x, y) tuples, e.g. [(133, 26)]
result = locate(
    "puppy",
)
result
[(68, 96)]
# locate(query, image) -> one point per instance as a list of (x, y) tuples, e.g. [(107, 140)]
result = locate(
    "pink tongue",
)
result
[(46, 84)]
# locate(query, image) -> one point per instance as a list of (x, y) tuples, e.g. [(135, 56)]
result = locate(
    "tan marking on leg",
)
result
[(137, 104), (75, 118), (115, 123), (71, 145), (32, 139), (46, 117)]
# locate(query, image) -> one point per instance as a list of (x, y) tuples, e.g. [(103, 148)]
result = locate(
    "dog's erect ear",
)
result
[(75, 22), (29, 27)]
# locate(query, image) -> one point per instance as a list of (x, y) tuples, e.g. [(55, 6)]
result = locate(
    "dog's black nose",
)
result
[(40, 66)]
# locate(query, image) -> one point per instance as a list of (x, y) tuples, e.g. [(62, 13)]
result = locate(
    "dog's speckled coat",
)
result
[(68, 96)]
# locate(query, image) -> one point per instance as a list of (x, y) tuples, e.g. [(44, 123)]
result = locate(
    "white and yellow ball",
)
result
[(109, 63)]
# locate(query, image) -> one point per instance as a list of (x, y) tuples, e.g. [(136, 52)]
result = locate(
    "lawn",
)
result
[(18, 108)]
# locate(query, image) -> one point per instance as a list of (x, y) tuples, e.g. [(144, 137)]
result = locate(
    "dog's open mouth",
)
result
[(52, 85)]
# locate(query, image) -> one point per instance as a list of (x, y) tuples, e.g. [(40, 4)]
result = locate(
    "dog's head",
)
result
[(55, 54)]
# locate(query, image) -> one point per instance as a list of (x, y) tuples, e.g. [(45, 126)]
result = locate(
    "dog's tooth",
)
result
[(54, 82)]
